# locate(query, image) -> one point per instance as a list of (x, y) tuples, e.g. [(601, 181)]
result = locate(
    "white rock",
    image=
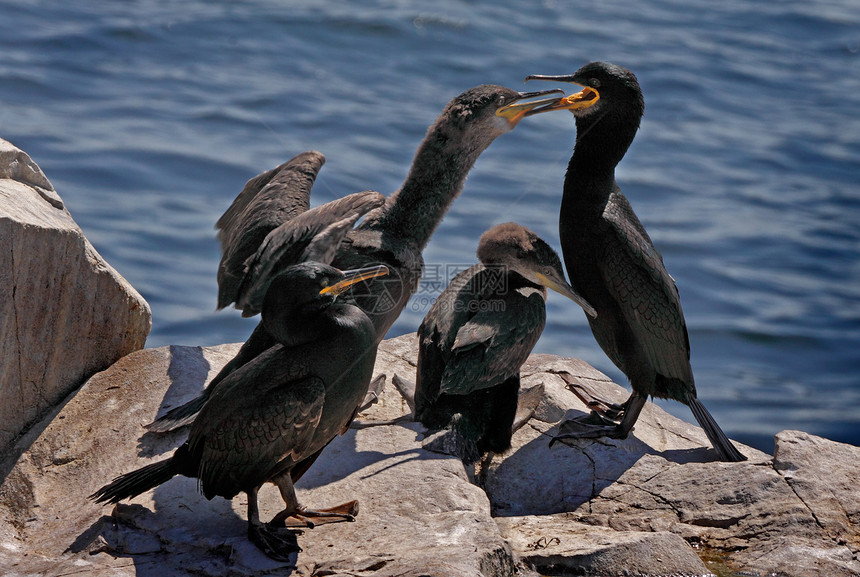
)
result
[(64, 312)]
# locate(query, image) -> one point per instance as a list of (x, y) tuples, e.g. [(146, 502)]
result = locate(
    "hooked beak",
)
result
[(585, 98), (518, 110), (354, 276), (560, 286)]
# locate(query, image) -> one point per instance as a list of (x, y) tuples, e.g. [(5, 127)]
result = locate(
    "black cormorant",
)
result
[(269, 416), (479, 332), (394, 235), (612, 262)]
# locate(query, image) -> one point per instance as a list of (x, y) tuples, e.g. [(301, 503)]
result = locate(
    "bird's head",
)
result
[(518, 249), (303, 291), (605, 86), (494, 109)]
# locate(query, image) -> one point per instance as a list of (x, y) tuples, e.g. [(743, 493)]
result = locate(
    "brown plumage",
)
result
[(479, 332)]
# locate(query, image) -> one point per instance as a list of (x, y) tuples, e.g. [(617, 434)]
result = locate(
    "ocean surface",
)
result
[(149, 116)]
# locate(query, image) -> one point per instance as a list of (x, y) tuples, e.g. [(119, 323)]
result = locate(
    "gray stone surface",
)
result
[(795, 514), (64, 312), (643, 506), (419, 512), (557, 544)]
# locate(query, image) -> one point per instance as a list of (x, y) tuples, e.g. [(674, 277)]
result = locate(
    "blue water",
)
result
[(149, 116)]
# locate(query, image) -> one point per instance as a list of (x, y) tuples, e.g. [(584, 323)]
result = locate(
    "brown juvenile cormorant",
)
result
[(612, 262), (479, 332), (394, 235), (269, 416)]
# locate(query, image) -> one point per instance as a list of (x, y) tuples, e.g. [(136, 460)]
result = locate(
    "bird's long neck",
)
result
[(435, 179), (601, 142), (293, 328)]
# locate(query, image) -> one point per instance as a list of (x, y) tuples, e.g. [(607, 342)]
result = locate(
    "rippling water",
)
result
[(149, 116)]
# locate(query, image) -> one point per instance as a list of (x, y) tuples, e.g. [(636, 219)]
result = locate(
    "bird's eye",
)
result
[(594, 83), (502, 100)]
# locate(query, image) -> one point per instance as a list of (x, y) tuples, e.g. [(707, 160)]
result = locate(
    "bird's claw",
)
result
[(278, 543)]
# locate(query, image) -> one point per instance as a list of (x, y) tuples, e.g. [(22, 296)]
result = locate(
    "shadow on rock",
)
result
[(343, 458), (209, 536), (187, 371), (536, 479)]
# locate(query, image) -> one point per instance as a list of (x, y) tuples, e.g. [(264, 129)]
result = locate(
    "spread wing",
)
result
[(267, 201), (261, 419), (496, 341), (634, 273), (313, 235)]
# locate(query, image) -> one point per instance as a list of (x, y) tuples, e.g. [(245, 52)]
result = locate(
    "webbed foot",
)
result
[(278, 543), (310, 518), (580, 428)]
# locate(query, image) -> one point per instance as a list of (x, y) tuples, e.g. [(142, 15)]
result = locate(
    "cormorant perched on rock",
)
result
[(275, 412), (612, 262), (394, 235), (479, 332)]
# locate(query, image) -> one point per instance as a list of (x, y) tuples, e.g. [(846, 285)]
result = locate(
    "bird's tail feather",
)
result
[(136, 482), (177, 417), (721, 443)]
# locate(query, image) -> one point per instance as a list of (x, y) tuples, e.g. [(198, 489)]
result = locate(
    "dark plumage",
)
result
[(612, 262), (267, 418), (267, 229), (479, 332), (394, 235)]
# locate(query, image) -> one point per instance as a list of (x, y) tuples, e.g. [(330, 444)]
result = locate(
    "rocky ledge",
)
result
[(656, 503)]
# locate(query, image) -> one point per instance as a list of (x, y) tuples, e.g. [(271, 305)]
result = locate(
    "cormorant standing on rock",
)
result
[(479, 332), (280, 409), (613, 264)]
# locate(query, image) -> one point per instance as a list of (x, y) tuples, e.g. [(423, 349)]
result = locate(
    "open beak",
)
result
[(585, 98), (517, 110), (560, 286), (350, 277)]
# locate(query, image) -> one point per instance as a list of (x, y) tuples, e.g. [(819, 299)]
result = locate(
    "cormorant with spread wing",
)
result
[(394, 235)]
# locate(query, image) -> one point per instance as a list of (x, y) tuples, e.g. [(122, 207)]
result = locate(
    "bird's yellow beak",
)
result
[(560, 286), (518, 110), (354, 276), (585, 98)]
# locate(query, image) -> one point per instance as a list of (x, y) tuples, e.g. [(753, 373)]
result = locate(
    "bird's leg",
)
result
[(580, 429), (601, 407), (279, 544), (483, 469), (295, 515), (632, 408), (452, 442), (373, 390)]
